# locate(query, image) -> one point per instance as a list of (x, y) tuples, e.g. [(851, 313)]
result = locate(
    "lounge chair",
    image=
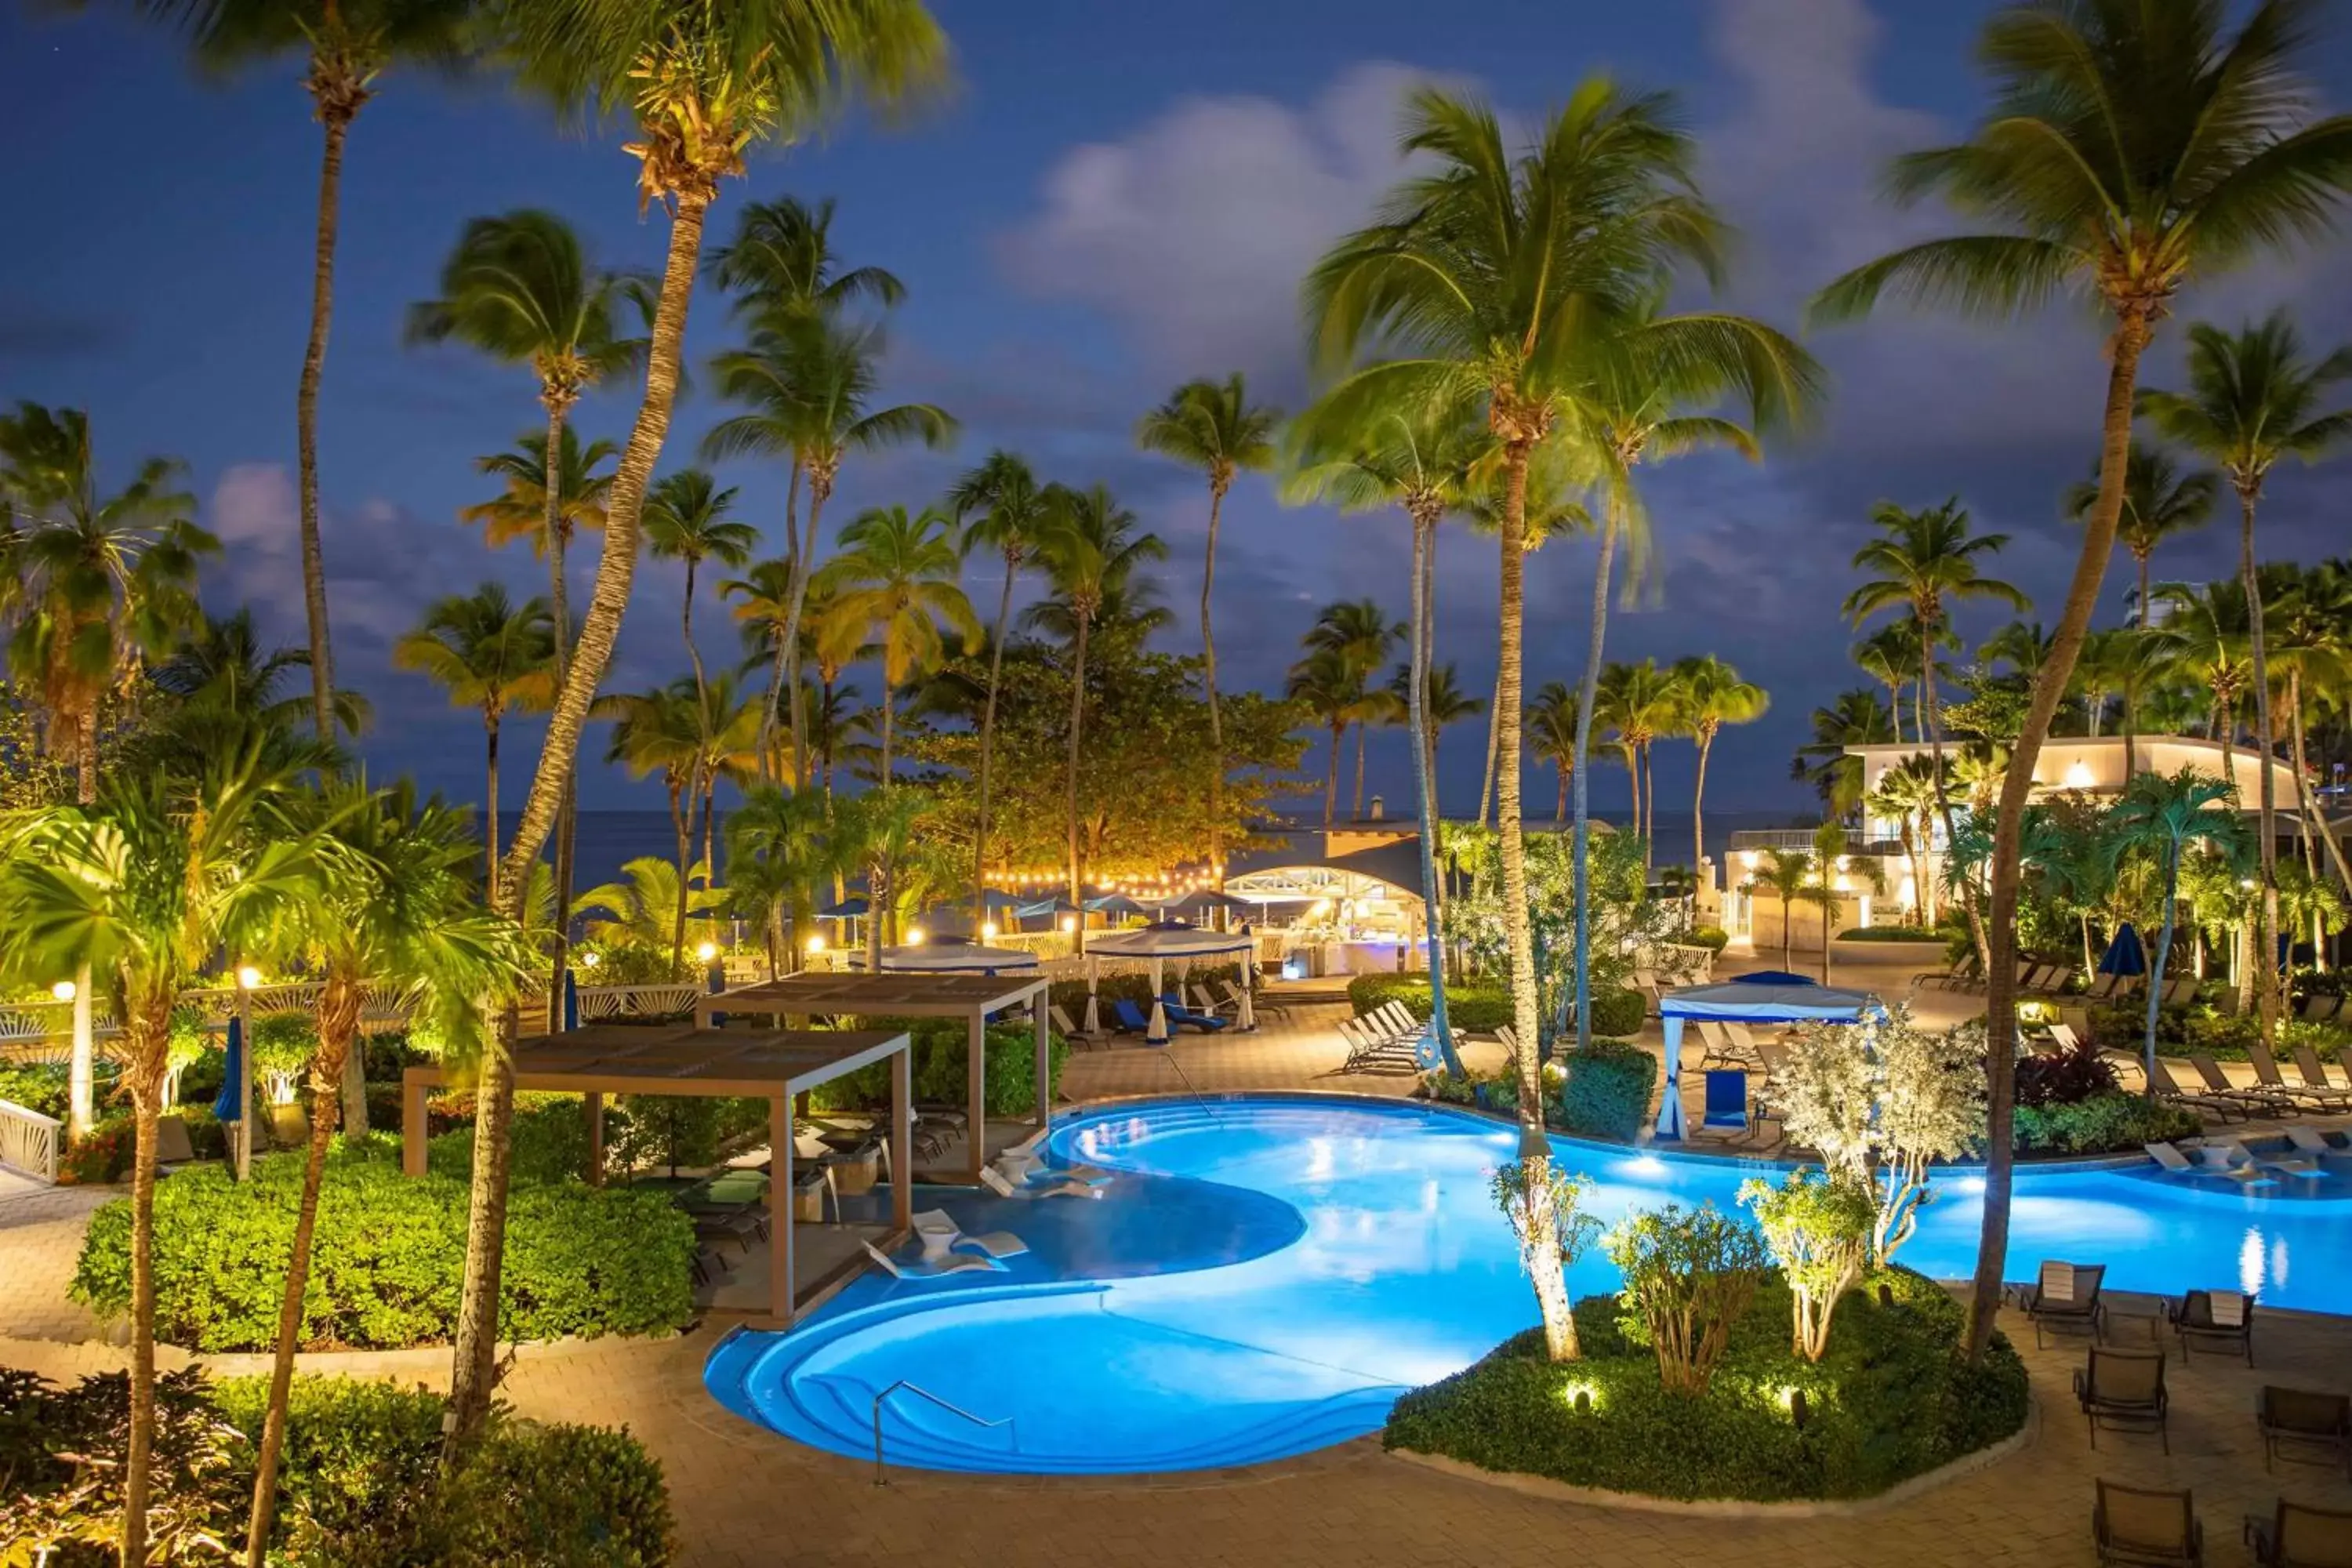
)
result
[(931, 1269), (1720, 1049), (2123, 1389), (2064, 1298), (2063, 1033), (2161, 1076), (936, 1231), (2104, 986), (1727, 1110), (1370, 1050), (2138, 1529), (1258, 1003), (2311, 1140), (1069, 1031), (2169, 1156), (171, 1146), (2239, 1164), (998, 1244), (1181, 1017), (2217, 1084), (1127, 1018), (2266, 1071), (1057, 1187), (2223, 1318), (2315, 1073), (2298, 1536), (2296, 1422), (1204, 1002)]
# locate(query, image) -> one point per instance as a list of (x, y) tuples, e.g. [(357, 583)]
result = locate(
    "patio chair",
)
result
[(1180, 1016), (1055, 1188), (1127, 1018), (2055, 980), (2224, 1318), (933, 1269), (2298, 1421), (2134, 1528), (2165, 1089), (2217, 1084), (2064, 1298), (1727, 1113), (2178, 991), (2102, 986), (2267, 1072), (171, 1146), (2123, 1389), (1069, 1031), (1720, 1049), (2169, 1156), (2315, 1073), (1370, 1050), (998, 1244), (2298, 1536), (1258, 1003), (2234, 1161), (2311, 1140), (1204, 1002)]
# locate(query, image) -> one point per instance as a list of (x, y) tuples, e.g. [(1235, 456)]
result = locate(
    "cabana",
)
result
[(1172, 938), (972, 997), (956, 955), (705, 1063), (1772, 997)]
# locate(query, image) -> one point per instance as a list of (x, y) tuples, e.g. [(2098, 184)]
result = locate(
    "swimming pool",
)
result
[(1264, 1276)]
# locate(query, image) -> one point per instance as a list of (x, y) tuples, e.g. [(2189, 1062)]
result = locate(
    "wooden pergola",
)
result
[(699, 1062), (911, 995)]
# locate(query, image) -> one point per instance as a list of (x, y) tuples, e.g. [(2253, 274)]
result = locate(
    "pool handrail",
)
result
[(1013, 1432)]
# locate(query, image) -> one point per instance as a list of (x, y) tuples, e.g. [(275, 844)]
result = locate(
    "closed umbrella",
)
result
[(229, 1106), (2126, 955)]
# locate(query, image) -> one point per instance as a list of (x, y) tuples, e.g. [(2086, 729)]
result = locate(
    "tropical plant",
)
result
[(220, 667), (640, 911), (491, 654), (1551, 735), (896, 581), (1690, 1275), (2130, 150), (682, 733), (1856, 718), (2161, 502), (686, 519), (1785, 871), (1329, 687), (1916, 794), (1443, 703), (1213, 426), (998, 506), (1819, 1233), (1553, 1230), (1712, 695), (1640, 702), (1359, 633), (2165, 813)]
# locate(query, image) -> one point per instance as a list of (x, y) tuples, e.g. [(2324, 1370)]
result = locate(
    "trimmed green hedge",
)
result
[(361, 1483), (1714, 939), (1606, 1092), (1892, 933), (940, 1049), (389, 1257), (1481, 1008), (2103, 1124), (1892, 1399)]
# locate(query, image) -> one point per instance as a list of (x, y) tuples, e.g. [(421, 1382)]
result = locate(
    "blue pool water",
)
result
[(1263, 1277)]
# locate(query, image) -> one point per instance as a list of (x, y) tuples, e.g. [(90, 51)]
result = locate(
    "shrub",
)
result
[(1714, 939), (556, 1494), (672, 1131), (1479, 1009), (1889, 1400), (388, 1258), (2067, 1078), (41, 1087), (2103, 1123), (938, 1047), (1618, 1011), (549, 1142), (1892, 933), (1606, 1092), (64, 1501), (1820, 1232), (1690, 1275), (282, 1045), (102, 1154)]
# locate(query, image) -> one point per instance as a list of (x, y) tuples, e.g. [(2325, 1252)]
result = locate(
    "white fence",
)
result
[(28, 1141), (608, 1003)]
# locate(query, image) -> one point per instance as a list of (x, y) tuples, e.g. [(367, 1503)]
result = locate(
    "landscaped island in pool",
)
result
[(1265, 1275)]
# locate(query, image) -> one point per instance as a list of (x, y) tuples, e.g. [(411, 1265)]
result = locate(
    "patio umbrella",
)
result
[(228, 1105), (953, 955), (1164, 940), (2126, 955)]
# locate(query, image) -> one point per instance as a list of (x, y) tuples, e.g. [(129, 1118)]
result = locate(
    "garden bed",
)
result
[(1890, 1400)]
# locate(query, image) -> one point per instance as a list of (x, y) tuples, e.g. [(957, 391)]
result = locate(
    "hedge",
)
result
[(939, 1047), (2103, 1124), (1714, 939), (361, 1483), (1893, 933), (1893, 1398), (388, 1258), (1480, 1009), (1606, 1091)]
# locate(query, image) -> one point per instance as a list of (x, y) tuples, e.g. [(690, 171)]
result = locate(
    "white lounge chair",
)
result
[(2237, 1163), (2312, 1141), (2171, 1158), (993, 1180), (996, 1244), (931, 1269), (936, 1232)]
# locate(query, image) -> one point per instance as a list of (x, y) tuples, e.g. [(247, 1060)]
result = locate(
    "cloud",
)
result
[(30, 334), (1192, 232)]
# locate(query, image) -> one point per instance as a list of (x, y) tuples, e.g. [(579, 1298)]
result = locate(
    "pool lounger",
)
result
[(2169, 1156), (993, 1180), (1020, 1164), (951, 1264)]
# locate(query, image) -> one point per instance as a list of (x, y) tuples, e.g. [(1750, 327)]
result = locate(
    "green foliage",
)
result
[(1890, 1399), (633, 964), (557, 1494), (1617, 1011), (1820, 1232), (1605, 1091), (1690, 1275), (1892, 933), (2103, 1124), (1008, 1089), (387, 1257), (39, 1086), (1469, 1009), (102, 1154), (64, 1462), (549, 1142), (1714, 939), (643, 1131)]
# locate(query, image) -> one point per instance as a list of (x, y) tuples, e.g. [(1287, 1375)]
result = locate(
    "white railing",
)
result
[(601, 1004), (28, 1141)]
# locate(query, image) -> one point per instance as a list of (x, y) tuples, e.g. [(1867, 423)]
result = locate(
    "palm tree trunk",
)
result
[(474, 1371), (1331, 776), (2008, 828), (1486, 779), (2156, 970), (1209, 682), (1698, 803), (1931, 719), (1540, 1238), (1580, 835), (490, 812), (682, 826), (335, 120), (81, 1075), (1559, 806), (1425, 545), (819, 490), (2266, 968), (338, 1021), (988, 745), (145, 1111), (557, 534), (2140, 556), (1359, 814), (771, 705), (1085, 617)]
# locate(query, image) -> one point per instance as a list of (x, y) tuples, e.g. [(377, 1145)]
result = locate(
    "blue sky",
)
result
[(1116, 198)]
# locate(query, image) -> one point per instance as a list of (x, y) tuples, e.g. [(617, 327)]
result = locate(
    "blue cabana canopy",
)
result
[(1767, 997)]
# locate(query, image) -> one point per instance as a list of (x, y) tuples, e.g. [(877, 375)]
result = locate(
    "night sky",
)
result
[(1116, 198)]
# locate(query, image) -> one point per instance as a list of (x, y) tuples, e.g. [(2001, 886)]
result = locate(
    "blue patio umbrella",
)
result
[(2126, 955), (1771, 977), (229, 1106)]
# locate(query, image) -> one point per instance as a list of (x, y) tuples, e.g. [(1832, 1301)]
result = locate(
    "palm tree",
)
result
[(140, 887), (2104, 668), (808, 384), (2160, 502), (999, 506), (1855, 718), (2163, 812), (2021, 644), (2314, 646), (1089, 549), (780, 267), (663, 730), (1885, 656), (491, 653), (98, 583), (1213, 426), (1917, 793), (2252, 399), (2206, 637), (1786, 872), (1331, 689), (1642, 703), (686, 519), (641, 909), (1712, 695), (221, 667), (348, 44), (2130, 150), (1443, 703), (395, 903), (1421, 459), (1551, 735), (1927, 561), (1360, 634)]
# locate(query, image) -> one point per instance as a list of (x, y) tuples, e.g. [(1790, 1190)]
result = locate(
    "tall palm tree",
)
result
[(2159, 503), (97, 584), (1421, 459), (1855, 718), (2163, 812), (2104, 668), (664, 731), (530, 508), (1712, 695), (1360, 634), (2315, 645), (348, 44), (1639, 703), (221, 665), (1918, 794), (999, 506), (1551, 735), (1213, 426), (1331, 689), (704, 86), (1884, 656), (393, 903), (2252, 399), (2130, 149), (140, 888), (1090, 550), (2022, 645), (779, 266), (809, 385), (490, 654), (1786, 872), (687, 520)]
